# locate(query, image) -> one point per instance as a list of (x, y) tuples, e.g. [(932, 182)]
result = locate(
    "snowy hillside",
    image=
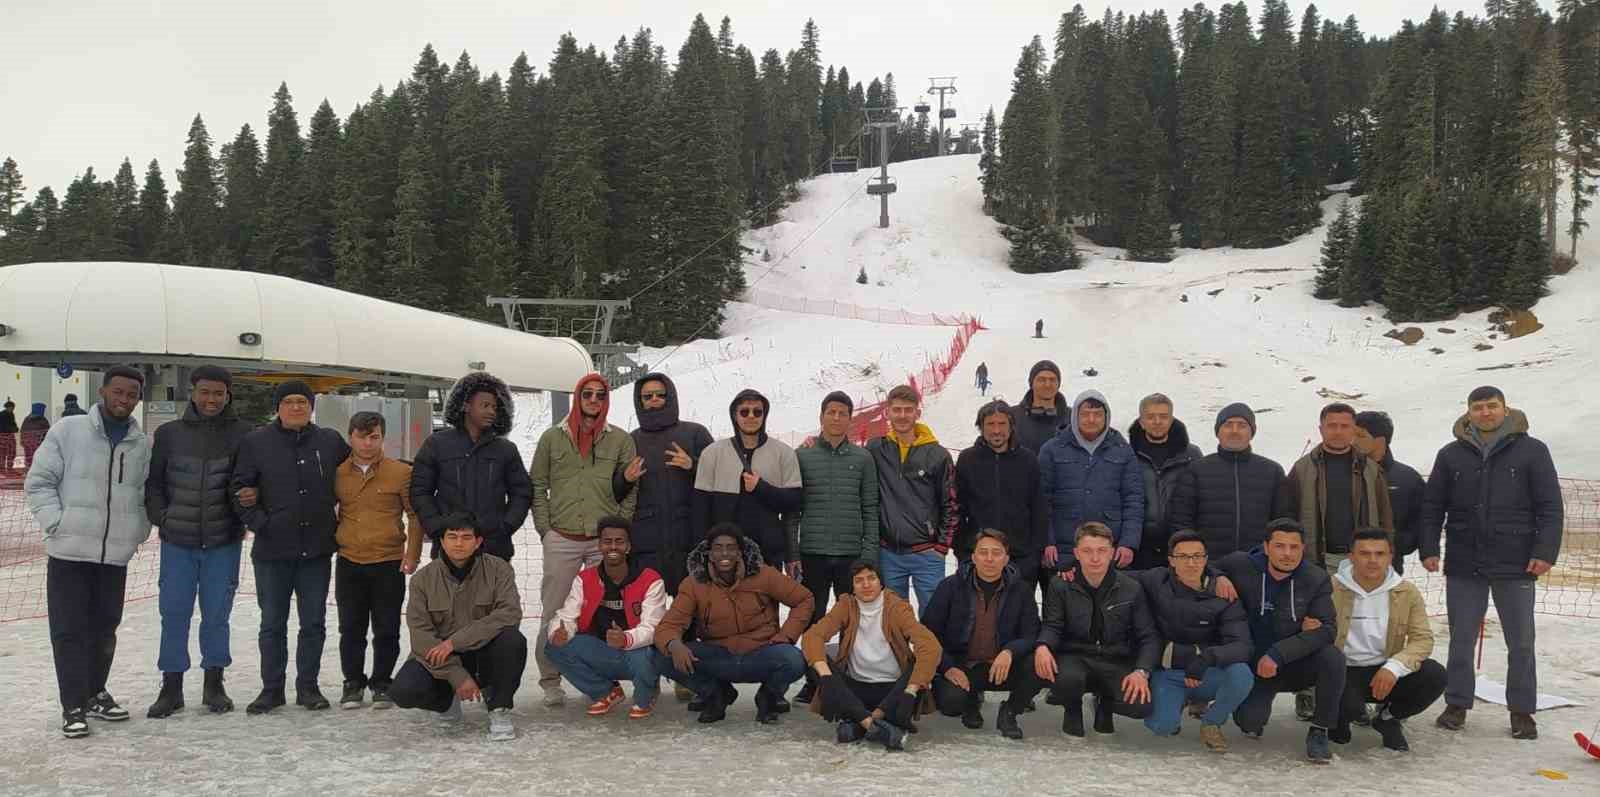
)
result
[(1208, 328)]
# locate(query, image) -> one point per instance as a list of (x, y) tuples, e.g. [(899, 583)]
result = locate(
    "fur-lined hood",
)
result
[(700, 559), (455, 407)]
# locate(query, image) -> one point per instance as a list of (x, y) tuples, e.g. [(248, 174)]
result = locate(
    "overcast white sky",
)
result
[(87, 82)]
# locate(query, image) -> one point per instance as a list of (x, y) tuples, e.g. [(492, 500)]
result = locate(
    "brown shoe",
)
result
[(1454, 718), (1211, 736), (1523, 726)]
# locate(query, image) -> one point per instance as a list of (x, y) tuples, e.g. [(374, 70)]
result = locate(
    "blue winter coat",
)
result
[(1107, 485)]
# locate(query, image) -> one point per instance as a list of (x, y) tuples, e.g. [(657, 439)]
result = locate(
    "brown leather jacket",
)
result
[(370, 508)]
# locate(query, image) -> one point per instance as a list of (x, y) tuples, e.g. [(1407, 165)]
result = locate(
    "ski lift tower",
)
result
[(884, 119), (594, 332), (943, 85)]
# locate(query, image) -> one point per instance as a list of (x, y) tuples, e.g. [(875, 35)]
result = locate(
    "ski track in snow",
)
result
[(1248, 331)]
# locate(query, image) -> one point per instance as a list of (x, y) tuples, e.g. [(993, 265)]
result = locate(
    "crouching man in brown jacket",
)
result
[(732, 598), (885, 660), (463, 613)]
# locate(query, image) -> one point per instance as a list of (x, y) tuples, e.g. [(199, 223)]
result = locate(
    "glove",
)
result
[(898, 708)]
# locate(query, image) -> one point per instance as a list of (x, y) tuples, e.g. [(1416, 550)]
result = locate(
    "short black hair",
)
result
[(725, 529), (1092, 402), (126, 372), (861, 564), (1371, 533), (1485, 393), (1183, 535), (1336, 408), (613, 522), (213, 373), (996, 407), (1377, 424), (364, 420), (1286, 524), (459, 520)]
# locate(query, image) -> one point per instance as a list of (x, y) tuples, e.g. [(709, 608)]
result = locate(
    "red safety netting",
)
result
[(838, 309)]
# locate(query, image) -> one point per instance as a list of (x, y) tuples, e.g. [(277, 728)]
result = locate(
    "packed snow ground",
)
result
[(1249, 331)]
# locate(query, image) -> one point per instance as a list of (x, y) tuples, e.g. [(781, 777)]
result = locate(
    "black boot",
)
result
[(807, 692), (170, 701), (311, 698), (766, 707), (973, 716), (268, 700), (714, 709), (215, 697), (1072, 720), (1394, 735), (1102, 716), (1006, 721)]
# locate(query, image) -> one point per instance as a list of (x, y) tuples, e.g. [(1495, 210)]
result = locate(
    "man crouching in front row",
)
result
[(457, 655)]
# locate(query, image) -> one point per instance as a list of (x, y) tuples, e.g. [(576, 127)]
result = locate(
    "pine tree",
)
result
[(277, 247), (125, 211), (11, 194), (989, 164), (1525, 278), (769, 178), (1540, 132), (1150, 236), (152, 242), (492, 249), (359, 200), (319, 188), (44, 222), (243, 201), (1416, 283), (413, 251), (1027, 137), (1336, 253), (196, 207), (84, 228), (1361, 278), (803, 70)]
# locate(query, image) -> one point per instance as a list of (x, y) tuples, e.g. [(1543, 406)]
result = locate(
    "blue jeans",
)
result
[(1226, 686), (923, 571), (213, 574), (592, 666), (773, 666), (307, 581)]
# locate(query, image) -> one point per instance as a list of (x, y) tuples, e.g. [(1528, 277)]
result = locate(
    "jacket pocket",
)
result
[(482, 609)]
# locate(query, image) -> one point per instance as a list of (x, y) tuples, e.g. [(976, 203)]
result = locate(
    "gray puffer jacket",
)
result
[(88, 498)]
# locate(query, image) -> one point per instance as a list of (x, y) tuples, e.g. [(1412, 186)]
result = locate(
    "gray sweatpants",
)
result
[(563, 558), (1467, 600)]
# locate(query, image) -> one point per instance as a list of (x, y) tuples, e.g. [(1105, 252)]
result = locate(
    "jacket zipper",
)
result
[(111, 463), (1238, 511)]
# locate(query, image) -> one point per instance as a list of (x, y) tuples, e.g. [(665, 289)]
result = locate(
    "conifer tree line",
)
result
[(1462, 136), (594, 179)]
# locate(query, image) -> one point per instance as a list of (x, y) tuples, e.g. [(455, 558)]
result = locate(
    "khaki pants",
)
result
[(563, 558)]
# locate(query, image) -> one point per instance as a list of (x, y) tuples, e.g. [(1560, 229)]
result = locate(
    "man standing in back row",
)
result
[(1494, 491), (1229, 496), (917, 507), (472, 467), (1043, 409)]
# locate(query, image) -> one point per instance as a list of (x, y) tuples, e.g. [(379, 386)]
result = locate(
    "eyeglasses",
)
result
[(1187, 557), (653, 394), (751, 412), (590, 395)]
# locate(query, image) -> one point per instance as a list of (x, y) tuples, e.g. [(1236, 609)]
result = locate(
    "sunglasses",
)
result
[(751, 412), (590, 395), (653, 394)]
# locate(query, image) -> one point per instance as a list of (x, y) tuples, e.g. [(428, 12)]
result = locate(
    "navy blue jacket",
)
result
[(953, 610), (1107, 486)]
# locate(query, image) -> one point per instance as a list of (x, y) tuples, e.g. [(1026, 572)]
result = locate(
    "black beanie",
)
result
[(1238, 409), (212, 373), (841, 397), (1043, 365), (293, 387)]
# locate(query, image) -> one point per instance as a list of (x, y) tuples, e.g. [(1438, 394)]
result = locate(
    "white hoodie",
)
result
[(1369, 622)]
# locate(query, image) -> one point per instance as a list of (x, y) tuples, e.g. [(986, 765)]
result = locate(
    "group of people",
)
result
[(29, 433), (1134, 570)]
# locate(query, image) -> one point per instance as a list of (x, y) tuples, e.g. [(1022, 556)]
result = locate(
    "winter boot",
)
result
[(1005, 720), (170, 701), (1454, 718), (1317, 751), (215, 697), (1394, 735), (1072, 720), (268, 700), (1523, 726), (311, 698)]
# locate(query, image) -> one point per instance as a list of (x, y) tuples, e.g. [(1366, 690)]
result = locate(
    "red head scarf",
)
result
[(584, 437)]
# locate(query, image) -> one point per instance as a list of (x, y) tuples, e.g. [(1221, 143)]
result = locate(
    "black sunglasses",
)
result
[(751, 412)]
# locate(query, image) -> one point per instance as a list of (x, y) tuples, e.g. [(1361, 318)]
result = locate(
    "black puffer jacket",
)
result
[(1159, 485), (191, 463), (1127, 629), (1499, 508), (293, 471), (1000, 491), (1034, 426), (486, 479), (1228, 497), (663, 519), (1307, 593), (952, 612), (1405, 500), (1201, 629)]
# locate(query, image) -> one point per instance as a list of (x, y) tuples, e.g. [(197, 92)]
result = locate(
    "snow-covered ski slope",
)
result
[(1210, 327)]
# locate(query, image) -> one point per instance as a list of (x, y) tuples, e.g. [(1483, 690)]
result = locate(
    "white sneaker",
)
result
[(453, 713), (555, 696), (501, 728)]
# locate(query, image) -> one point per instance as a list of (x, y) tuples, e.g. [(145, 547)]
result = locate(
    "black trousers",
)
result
[(845, 698), (1078, 674), (369, 595), (1021, 682), (85, 608), (822, 573), (1323, 670), (497, 668), (1410, 696)]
